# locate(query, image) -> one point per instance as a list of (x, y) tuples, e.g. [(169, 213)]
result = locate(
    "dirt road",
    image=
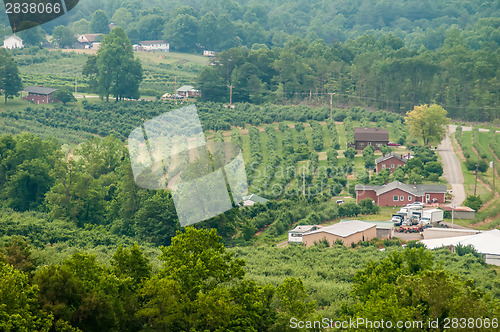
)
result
[(452, 169)]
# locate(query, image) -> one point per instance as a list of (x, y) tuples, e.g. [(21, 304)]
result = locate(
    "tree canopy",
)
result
[(115, 70), (10, 82), (428, 123)]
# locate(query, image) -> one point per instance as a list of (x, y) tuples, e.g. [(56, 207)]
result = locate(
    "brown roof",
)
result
[(457, 208), (389, 156), (90, 37), (371, 134)]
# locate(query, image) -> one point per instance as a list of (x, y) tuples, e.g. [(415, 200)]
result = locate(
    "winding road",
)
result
[(452, 168)]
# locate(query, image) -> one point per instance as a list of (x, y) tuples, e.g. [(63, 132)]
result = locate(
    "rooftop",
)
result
[(303, 228), (152, 42), (457, 208), (371, 134), (417, 190), (345, 228), (39, 90), (89, 37), (255, 198), (185, 88), (389, 156), (487, 242)]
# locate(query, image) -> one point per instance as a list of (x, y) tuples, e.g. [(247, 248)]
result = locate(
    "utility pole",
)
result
[(331, 106), (303, 181), (453, 216), (175, 89), (475, 185), (76, 86), (230, 96), (494, 175)]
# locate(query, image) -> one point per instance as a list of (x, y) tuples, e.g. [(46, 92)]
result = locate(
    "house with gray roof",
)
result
[(376, 137), (391, 161), (188, 91), (399, 194), (39, 94)]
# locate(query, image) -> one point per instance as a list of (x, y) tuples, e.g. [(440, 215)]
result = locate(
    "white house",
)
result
[(13, 41), (295, 235), (209, 53), (155, 45)]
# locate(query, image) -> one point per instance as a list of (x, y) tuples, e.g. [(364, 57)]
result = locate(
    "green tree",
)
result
[(156, 220), (99, 22), (428, 123), (122, 17), (10, 82), (350, 153), (19, 308), (474, 202), (80, 27), (64, 96), (63, 37), (182, 32), (33, 37), (131, 263), (114, 69)]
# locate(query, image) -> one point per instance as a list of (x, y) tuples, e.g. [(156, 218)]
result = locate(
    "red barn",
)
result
[(39, 94), (399, 194), (390, 161)]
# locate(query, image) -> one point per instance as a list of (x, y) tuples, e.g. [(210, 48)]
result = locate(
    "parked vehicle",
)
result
[(339, 201), (397, 219), (433, 215), (393, 144)]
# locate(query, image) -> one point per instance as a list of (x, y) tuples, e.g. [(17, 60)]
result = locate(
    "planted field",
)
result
[(60, 68), (328, 273), (282, 158)]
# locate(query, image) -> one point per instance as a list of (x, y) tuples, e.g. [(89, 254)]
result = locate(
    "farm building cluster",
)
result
[(347, 232)]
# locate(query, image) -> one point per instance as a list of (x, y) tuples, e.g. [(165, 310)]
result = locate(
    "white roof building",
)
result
[(487, 243), (295, 235), (155, 45), (346, 228), (13, 41)]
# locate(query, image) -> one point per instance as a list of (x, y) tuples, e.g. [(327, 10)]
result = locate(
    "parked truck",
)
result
[(397, 219), (432, 216)]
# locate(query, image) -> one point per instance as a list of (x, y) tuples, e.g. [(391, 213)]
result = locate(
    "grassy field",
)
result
[(489, 216)]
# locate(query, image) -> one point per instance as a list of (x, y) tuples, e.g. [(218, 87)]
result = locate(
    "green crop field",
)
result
[(60, 68)]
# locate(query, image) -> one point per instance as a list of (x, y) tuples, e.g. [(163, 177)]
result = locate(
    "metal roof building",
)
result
[(348, 232), (486, 243)]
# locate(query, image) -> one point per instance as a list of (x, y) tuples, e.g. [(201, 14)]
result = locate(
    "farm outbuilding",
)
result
[(486, 243), (39, 94), (375, 137), (296, 234), (441, 233), (349, 232), (460, 212)]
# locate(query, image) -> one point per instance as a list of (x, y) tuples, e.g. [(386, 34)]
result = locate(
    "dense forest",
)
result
[(200, 285), (380, 73), (219, 25)]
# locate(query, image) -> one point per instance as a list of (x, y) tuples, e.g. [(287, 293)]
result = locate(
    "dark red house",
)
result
[(399, 194), (39, 94), (391, 161), (376, 137)]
